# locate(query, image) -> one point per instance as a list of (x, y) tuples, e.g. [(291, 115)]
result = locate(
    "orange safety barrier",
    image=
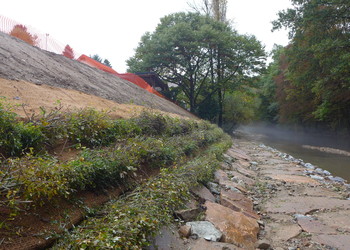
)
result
[(126, 76)]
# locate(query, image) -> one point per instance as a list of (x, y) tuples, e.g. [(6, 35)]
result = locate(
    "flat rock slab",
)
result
[(243, 170), (238, 176), (203, 193), (304, 205), (320, 192), (340, 241), (236, 228), (238, 202), (167, 239), (311, 225), (202, 244), (238, 154), (282, 232), (339, 220), (221, 176), (205, 230), (294, 178)]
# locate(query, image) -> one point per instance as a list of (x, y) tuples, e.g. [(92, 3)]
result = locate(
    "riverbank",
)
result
[(269, 200)]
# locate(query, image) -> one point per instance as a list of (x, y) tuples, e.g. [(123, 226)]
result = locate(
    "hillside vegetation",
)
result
[(108, 153)]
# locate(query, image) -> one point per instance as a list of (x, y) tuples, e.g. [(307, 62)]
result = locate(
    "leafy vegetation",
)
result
[(131, 221), (313, 85), (111, 152), (205, 58)]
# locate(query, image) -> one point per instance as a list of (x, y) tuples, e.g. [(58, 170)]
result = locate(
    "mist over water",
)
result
[(291, 141)]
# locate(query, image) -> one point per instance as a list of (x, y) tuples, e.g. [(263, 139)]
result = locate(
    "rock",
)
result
[(336, 179), (311, 225), (317, 177), (309, 166), (293, 178), (220, 176), (282, 232), (203, 193), (340, 241), (238, 202), (238, 154), (204, 229), (235, 226), (203, 244), (213, 187), (263, 244), (303, 205), (188, 214), (185, 231)]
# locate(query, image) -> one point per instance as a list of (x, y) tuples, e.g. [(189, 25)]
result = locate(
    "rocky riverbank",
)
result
[(264, 199)]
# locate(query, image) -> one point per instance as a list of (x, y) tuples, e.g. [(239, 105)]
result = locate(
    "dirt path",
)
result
[(268, 200)]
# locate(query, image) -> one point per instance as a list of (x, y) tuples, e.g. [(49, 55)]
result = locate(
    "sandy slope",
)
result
[(22, 62)]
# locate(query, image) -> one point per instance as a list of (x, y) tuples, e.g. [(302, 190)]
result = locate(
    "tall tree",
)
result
[(21, 31), (68, 52), (183, 51), (319, 56)]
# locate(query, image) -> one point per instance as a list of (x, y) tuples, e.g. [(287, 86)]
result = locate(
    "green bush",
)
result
[(131, 221), (17, 137)]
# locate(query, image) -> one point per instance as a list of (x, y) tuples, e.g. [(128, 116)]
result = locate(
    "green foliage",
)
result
[(88, 127), (17, 137), (134, 143), (318, 66), (131, 221), (201, 56)]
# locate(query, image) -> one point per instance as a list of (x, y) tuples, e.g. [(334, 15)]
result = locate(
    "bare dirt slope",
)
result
[(20, 61)]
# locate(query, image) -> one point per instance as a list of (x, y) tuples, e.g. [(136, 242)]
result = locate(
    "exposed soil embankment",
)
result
[(21, 61)]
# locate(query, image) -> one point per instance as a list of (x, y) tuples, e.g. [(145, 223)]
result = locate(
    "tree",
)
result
[(97, 58), (184, 49), (20, 31), (107, 63), (68, 52), (319, 56)]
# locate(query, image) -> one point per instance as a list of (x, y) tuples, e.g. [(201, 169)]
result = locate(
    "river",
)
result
[(292, 143)]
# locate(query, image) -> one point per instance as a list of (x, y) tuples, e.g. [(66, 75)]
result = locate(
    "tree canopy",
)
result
[(318, 61), (200, 56)]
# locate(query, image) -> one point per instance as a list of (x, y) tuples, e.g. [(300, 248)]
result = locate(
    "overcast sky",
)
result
[(113, 28)]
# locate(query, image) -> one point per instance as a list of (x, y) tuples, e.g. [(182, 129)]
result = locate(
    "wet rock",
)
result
[(311, 225), (293, 178), (309, 166), (336, 179), (203, 193), (304, 205), (220, 176), (340, 241), (238, 154), (185, 231), (282, 232), (205, 230), (203, 244), (188, 214), (317, 177), (336, 220), (238, 202), (213, 187), (235, 226), (263, 244)]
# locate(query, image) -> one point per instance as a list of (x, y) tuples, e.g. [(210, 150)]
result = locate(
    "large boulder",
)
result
[(236, 227)]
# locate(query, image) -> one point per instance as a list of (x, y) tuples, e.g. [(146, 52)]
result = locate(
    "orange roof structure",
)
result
[(126, 76)]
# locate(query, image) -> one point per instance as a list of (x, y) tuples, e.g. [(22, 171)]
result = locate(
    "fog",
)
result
[(297, 135)]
